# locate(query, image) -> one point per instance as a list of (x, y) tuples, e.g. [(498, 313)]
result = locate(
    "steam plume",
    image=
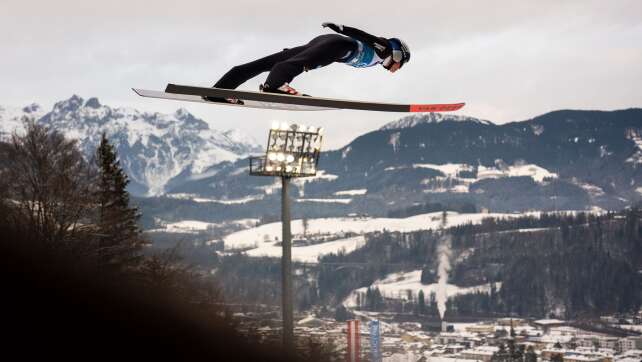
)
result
[(443, 255)]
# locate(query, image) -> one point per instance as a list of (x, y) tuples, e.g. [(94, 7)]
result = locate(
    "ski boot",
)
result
[(223, 100), (284, 89)]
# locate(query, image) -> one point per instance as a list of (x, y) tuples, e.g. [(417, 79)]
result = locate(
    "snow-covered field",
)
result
[(264, 240), (195, 198), (195, 226), (358, 225), (351, 192), (310, 253), (452, 171), (398, 285), (330, 201)]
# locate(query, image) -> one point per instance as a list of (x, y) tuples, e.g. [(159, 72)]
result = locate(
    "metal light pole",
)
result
[(293, 151), (286, 269)]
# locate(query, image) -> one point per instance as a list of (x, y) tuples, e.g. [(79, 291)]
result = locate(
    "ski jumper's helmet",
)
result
[(400, 53)]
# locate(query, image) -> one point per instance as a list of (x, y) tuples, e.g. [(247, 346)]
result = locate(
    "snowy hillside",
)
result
[(402, 285), (154, 148), (264, 240), (563, 160)]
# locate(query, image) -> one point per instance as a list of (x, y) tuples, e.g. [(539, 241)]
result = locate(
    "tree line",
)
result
[(577, 264)]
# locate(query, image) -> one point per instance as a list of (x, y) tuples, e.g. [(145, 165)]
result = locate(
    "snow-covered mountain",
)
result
[(11, 118), (426, 118), (154, 149), (562, 160)]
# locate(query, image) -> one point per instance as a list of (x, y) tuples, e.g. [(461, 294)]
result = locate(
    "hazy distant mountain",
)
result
[(560, 160), (154, 149)]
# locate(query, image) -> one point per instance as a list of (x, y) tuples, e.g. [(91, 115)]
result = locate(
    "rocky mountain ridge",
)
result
[(155, 149)]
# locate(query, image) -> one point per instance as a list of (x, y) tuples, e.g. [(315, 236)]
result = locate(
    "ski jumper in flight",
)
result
[(350, 46)]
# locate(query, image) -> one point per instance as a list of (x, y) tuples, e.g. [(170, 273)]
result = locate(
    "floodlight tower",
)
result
[(292, 151)]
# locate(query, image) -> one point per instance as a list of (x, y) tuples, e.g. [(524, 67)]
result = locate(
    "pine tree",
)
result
[(422, 302), (502, 355), (530, 355), (433, 310), (369, 302), (118, 232), (512, 330)]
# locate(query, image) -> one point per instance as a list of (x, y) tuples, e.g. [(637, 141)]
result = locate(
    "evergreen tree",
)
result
[(511, 347), (516, 353), (118, 232), (433, 311), (422, 302), (502, 355), (377, 299), (530, 355), (341, 314), (369, 303)]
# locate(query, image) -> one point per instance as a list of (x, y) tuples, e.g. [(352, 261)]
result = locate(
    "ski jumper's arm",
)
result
[(380, 44)]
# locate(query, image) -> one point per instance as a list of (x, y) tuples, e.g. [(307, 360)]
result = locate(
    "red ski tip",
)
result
[(436, 107)]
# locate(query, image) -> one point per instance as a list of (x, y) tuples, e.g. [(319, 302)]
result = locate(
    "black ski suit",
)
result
[(319, 52)]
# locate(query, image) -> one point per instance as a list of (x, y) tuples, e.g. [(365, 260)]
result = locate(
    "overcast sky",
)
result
[(508, 60)]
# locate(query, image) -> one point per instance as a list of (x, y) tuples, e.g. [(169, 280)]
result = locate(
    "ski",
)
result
[(288, 102), (249, 104)]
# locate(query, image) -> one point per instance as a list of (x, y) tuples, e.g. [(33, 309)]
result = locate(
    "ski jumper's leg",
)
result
[(321, 51), (241, 73)]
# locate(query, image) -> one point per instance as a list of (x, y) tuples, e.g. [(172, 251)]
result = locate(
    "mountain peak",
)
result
[(69, 105), (424, 118), (189, 120), (32, 108), (93, 103)]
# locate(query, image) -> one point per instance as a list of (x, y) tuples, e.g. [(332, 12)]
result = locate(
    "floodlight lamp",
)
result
[(280, 157), (284, 126), (275, 125), (321, 130), (312, 129), (288, 168), (289, 158), (271, 156), (268, 168), (278, 168)]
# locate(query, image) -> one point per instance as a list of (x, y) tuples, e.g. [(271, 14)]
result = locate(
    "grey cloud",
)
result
[(508, 60)]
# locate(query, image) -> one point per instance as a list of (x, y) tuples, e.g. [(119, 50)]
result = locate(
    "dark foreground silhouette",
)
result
[(56, 306)]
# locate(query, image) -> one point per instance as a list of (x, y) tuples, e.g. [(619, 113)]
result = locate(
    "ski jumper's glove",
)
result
[(333, 26), (380, 44)]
